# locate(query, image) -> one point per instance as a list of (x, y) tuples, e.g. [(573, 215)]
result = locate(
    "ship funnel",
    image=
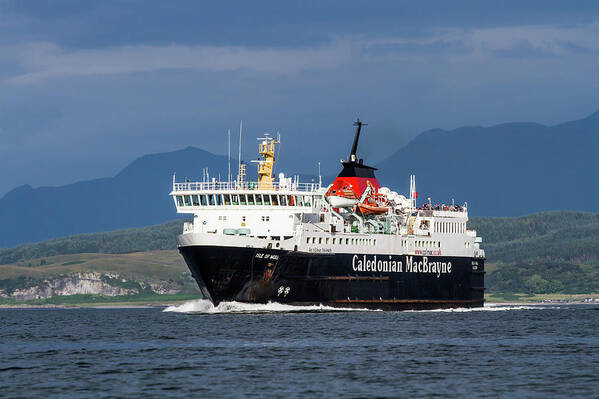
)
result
[(354, 147)]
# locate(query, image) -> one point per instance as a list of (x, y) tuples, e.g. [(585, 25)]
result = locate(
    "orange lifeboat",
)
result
[(367, 209), (374, 204)]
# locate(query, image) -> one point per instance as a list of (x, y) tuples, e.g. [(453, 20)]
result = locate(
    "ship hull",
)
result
[(381, 281)]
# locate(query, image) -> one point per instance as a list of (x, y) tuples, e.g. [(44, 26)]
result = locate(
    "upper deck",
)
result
[(216, 186)]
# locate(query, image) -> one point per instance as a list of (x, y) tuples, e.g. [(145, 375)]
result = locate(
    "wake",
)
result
[(488, 308), (206, 307)]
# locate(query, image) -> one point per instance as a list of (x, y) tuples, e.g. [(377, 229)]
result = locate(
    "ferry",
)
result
[(353, 243)]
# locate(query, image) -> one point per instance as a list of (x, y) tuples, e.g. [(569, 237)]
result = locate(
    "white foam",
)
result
[(490, 308), (205, 306)]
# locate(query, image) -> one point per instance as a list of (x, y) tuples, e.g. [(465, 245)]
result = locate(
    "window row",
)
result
[(450, 227), (244, 199), (427, 244), (340, 241)]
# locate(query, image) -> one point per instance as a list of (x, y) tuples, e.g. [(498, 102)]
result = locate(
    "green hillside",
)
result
[(151, 238), (544, 253)]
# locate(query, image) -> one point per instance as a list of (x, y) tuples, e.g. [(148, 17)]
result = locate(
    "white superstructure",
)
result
[(294, 216)]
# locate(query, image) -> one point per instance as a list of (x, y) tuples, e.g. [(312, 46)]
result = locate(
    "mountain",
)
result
[(137, 196), (505, 170)]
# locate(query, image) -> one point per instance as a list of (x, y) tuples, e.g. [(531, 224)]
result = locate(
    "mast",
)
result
[(229, 155), (354, 148), (240, 130)]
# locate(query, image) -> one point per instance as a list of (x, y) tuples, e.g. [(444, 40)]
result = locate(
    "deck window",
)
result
[(179, 200), (196, 200), (307, 201)]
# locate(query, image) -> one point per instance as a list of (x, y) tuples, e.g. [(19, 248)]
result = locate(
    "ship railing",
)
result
[(451, 214), (235, 186)]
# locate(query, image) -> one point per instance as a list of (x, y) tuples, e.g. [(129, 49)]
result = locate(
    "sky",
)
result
[(87, 87)]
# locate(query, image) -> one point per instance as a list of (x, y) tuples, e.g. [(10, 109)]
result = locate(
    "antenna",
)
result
[(319, 176), (240, 130), (229, 156)]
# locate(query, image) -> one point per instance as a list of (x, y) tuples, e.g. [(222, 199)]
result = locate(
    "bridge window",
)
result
[(266, 199), (300, 200), (283, 200), (242, 199), (251, 199), (274, 200), (235, 199), (179, 200), (258, 199), (204, 200), (227, 199), (320, 240), (188, 200)]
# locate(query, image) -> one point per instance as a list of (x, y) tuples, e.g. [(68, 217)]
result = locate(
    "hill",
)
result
[(137, 196), (542, 253), (506, 170)]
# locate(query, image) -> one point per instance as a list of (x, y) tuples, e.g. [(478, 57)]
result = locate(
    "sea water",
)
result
[(274, 350)]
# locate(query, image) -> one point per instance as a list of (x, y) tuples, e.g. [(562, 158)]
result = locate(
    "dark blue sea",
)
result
[(273, 351)]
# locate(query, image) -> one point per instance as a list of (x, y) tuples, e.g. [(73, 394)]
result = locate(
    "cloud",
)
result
[(47, 60), (40, 61)]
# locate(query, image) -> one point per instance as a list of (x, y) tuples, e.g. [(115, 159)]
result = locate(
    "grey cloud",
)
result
[(40, 61)]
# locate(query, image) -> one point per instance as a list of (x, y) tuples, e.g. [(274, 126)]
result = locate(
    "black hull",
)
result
[(341, 280)]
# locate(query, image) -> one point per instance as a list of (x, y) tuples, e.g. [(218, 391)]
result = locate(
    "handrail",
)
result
[(236, 186)]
